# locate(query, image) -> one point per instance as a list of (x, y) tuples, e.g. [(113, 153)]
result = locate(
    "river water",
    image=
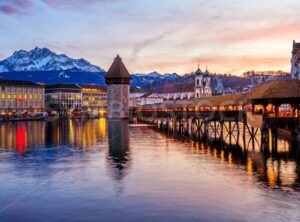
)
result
[(98, 171)]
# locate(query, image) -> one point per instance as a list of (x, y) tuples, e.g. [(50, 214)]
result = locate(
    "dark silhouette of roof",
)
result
[(117, 73), (63, 86), (225, 100), (7, 82), (92, 86)]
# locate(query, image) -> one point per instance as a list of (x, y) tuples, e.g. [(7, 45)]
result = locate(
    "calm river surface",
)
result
[(98, 171)]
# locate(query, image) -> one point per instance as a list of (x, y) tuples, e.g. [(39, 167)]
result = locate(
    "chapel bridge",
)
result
[(270, 108)]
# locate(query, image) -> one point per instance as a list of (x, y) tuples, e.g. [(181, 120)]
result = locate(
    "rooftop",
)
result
[(117, 70), (7, 82), (226, 100), (63, 86), (92, 86), (276, 89)]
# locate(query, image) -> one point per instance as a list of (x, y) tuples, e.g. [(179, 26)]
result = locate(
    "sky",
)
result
[(227, 36)]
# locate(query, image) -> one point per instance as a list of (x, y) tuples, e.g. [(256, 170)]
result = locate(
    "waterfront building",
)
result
[(118, 79), (63, 98), (203, 86), (94, 99), (145, 99), (21, 97), (177, 91), (295, 61)]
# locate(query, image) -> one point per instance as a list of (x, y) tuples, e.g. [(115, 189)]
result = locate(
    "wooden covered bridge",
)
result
[(270, 106)]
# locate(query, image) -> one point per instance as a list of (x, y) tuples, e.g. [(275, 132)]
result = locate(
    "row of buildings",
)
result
[(200, 88), (23, 97)]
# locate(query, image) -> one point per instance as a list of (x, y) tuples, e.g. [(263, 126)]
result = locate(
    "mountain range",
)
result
[(43, 65)]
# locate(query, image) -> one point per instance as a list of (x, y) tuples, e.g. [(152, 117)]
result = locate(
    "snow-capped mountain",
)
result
[(43, 65), (42, 59)]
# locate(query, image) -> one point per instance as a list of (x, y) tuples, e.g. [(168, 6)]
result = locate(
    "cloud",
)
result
[(61, 4), (137, 48), (15, 7)]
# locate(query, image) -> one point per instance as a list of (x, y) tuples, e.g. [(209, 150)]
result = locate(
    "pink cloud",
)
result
[(15, 6), (60, 4)]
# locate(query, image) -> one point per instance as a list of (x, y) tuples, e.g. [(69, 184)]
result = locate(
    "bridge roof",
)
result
[(226, 100), (277, 89)]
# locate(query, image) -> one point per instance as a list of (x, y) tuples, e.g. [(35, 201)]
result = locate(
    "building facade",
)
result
[(76, 99), (295, 61), (94, 99), (19, 97), (145, 99), (63, 98), (203, 86)]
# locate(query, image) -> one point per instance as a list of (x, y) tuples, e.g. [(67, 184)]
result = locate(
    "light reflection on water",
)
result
[(90, 170)]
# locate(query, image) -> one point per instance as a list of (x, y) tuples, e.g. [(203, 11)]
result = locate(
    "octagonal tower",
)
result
[(118, 79)]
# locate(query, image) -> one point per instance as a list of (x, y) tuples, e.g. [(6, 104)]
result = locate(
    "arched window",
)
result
[(197, 82)]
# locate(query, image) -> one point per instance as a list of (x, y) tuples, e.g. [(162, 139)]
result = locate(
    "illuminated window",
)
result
[(9, 96), (3, 96)]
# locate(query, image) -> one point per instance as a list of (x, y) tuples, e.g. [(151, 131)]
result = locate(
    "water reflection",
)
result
[(278, 168), (119, 158), (140, 173)]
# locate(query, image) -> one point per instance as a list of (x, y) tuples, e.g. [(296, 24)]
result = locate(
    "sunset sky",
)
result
[(163, 35)]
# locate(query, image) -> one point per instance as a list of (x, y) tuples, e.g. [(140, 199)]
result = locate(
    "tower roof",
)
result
[(206, 74), (117, 73), (198, 71)]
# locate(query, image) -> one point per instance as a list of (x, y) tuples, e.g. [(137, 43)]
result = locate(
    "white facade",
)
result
[(202, 84), (177, 95), (145, 99)]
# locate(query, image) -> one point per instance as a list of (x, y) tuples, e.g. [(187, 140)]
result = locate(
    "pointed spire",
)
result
[(206, 74), (198, 71), (117, 73)]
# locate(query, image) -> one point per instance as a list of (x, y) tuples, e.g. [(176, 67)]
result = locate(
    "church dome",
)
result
[(199, 72), (206, 74)]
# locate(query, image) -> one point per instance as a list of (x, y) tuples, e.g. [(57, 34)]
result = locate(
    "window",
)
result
[(3, 88), (197, 82), (3, 96)]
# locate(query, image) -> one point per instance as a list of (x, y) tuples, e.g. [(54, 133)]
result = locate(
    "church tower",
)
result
[(207, 88), (198, 83), (203, 86), (118, 79)]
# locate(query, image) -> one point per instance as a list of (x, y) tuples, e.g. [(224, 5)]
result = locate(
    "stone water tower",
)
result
[(118, 79)]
